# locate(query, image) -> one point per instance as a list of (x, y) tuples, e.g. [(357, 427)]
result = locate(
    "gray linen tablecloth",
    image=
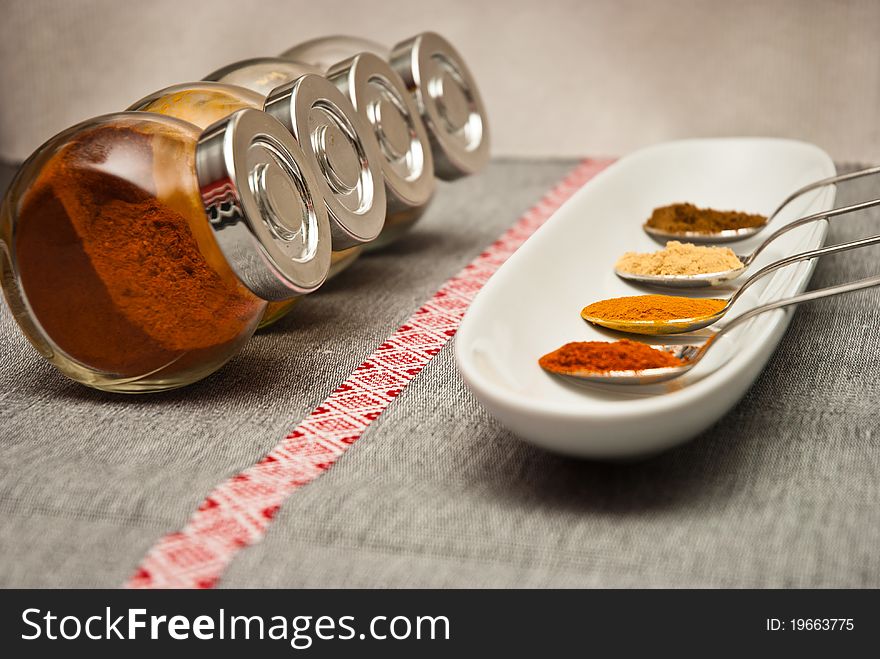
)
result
[(784, 491)]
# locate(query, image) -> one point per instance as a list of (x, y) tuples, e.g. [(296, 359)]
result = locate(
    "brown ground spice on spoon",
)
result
[(679, 218)]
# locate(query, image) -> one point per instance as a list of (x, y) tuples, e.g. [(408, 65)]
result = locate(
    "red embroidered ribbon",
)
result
[(238, 512)]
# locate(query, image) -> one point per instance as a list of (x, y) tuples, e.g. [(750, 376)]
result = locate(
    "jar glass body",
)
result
[(109, 262), (203, 103)]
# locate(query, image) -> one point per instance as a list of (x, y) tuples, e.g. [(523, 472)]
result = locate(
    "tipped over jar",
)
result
[(139, 253), (140, 250), (343, 154)]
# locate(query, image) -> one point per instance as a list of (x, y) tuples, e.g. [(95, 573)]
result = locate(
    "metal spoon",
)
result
[(730, 235), (715, 278), (692, 354), (681, 325)]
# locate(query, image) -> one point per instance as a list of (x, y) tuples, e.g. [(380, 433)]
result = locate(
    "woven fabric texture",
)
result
[(783, 491)]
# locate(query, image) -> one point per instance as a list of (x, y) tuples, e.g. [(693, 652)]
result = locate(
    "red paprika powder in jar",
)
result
[(139, 254), (343, 154)]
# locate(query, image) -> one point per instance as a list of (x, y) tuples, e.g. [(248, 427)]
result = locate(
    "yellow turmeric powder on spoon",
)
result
[(653, 308)]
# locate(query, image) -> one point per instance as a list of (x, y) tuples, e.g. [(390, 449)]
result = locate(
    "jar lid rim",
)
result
[(449, 101), (258, 191), (407, 163), (324, 122)]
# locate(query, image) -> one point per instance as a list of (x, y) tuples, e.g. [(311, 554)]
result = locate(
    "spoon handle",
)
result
[(832, 180), (803, 256), (823, 215), (797, 299)]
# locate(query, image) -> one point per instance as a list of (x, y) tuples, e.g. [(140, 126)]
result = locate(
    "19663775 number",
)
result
[(822, 624), (810, 624)]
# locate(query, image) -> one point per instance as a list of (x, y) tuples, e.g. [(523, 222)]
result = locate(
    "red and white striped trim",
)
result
[(238, 512)]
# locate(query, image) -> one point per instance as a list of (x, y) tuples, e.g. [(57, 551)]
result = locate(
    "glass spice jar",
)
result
[(445, 92), (336, 143), (138, 253), (384, 104), (262, 74)]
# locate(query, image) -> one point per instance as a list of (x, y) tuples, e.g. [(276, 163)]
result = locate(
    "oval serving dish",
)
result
[(532, 304)]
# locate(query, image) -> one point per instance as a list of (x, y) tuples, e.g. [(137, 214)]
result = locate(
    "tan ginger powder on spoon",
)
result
[(680, 259)]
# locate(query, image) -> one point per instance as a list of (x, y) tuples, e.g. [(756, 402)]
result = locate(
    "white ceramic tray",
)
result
[(532, 304)]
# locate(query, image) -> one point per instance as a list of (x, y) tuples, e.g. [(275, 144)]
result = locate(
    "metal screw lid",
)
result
[(383, 102), (262, 74), (257, 188), (449, 101), (342, 149)]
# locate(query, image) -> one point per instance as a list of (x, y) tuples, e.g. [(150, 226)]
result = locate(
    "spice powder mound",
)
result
[(113, 274), (605, 356), (653, 308), (680, 259), (679, 218)]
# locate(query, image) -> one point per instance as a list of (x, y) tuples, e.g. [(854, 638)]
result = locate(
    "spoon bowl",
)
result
[(686, 353), (692, 354), (655, 327), (682, 325), (726, 236), (730, 235), (702, 280), (716, 278)]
